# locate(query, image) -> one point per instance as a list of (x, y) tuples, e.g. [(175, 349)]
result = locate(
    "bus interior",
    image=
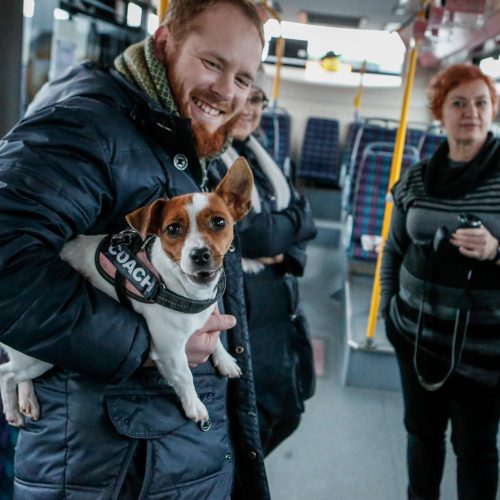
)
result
[(348, 113)]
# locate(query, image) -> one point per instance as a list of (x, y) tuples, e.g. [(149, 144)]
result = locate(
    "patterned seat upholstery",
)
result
[(275, 123), (414, 137), (429, 143), (370, 193), (358, 136), (319, 161)]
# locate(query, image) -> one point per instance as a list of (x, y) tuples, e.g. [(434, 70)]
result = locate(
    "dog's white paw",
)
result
[(14, 418), (30, 408), (28, 403), (226, 364), (195, 409)]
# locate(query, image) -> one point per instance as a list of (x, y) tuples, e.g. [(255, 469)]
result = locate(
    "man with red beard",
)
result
[(94, 146)]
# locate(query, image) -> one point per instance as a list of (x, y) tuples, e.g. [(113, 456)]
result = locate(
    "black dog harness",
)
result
[(124, 261)]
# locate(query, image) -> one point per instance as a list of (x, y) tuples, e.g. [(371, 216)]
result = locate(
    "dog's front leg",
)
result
[(169, 335), (224, 362), (173, 365)]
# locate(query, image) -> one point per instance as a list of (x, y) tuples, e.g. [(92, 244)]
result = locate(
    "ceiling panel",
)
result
[(375, 14)]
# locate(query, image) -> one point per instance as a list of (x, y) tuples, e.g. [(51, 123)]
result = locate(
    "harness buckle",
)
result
[(126, 237)]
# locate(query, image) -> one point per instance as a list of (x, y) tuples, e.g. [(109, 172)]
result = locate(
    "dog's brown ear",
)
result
[(146, 220), (236, 188)]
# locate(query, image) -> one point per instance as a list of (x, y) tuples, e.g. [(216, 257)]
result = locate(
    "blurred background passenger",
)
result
[(273, 240), (441, 291)]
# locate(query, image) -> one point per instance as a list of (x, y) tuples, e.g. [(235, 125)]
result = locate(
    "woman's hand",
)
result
[(477, 243), (269, 261), (203, 341)]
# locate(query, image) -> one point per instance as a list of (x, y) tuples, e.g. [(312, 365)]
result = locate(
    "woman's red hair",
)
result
[(451, 77)]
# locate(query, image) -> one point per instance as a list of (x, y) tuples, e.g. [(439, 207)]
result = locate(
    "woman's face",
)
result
[(250, 116), (467, 113)]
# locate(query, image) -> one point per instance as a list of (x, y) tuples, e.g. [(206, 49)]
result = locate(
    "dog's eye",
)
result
[(174, 229), (218, 223)]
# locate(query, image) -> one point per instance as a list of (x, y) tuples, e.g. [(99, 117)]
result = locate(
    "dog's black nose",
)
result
[(200, 256)]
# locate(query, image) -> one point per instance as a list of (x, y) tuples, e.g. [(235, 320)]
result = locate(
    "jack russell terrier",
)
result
[(185, 239)]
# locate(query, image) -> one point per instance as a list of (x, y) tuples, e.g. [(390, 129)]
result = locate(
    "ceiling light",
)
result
[(61, 15), (134, 15), (153, 23), (28, 8)]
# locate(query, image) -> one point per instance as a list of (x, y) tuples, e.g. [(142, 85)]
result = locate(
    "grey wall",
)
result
[(11, 31)]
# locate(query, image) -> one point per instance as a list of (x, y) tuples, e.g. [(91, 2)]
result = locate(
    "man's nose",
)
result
[(224, 86)]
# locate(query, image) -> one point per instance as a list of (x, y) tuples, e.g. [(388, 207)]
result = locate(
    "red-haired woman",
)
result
[(441, 291)]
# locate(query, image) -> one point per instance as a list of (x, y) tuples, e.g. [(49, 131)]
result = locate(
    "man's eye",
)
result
[(211, 64), (218, 223), (174, 229), (243, 83)]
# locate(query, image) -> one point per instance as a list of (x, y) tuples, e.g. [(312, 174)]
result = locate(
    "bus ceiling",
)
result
[(452, 30)]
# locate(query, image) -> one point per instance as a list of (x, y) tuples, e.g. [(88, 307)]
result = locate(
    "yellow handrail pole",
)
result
[(393, 177), (280, 48), (162, 9), (359, 92)]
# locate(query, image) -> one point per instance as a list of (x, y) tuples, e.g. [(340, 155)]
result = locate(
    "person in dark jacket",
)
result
[(94, 146), (440, 281), (273, 245)]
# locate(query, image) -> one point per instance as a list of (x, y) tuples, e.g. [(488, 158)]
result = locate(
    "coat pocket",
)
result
[(149, 415)]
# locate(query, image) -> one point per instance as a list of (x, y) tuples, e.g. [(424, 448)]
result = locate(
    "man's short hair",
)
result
[(180, 14)]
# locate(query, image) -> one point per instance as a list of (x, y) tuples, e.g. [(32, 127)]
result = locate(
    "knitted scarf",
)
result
[(442, 181), (139, 65)]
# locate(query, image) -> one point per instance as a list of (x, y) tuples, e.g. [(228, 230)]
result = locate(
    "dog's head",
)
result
[(196, 230)]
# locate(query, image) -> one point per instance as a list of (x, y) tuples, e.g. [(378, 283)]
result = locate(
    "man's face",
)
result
[(211, 71)]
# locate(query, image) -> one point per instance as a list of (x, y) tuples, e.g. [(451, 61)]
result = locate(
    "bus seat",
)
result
[(429, 143), (275, 123), (369, 194), (368, 131), (319, 160)]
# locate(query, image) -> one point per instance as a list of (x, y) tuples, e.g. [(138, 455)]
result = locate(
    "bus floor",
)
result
[(351, 441)]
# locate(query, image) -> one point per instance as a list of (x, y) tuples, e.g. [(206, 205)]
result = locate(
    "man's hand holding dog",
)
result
[(202, 343)]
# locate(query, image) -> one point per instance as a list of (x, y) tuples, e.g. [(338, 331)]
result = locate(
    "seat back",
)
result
[(319, 160), (359, 135), (275, 123), (370, 192), (429, 143)]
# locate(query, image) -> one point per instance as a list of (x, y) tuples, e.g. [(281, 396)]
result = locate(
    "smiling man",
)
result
[(94, 146), (210, 70)]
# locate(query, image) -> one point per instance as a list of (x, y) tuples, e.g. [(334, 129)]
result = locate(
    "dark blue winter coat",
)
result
[(91, 149)]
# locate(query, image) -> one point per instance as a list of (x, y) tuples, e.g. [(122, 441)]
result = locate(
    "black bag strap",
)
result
[(458, 339)]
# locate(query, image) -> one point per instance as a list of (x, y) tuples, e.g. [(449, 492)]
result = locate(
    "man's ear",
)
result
[(236, 188), (160, 38), (147, 220)]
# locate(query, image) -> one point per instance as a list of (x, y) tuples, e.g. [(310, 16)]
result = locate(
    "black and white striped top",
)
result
[(410, 263)]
